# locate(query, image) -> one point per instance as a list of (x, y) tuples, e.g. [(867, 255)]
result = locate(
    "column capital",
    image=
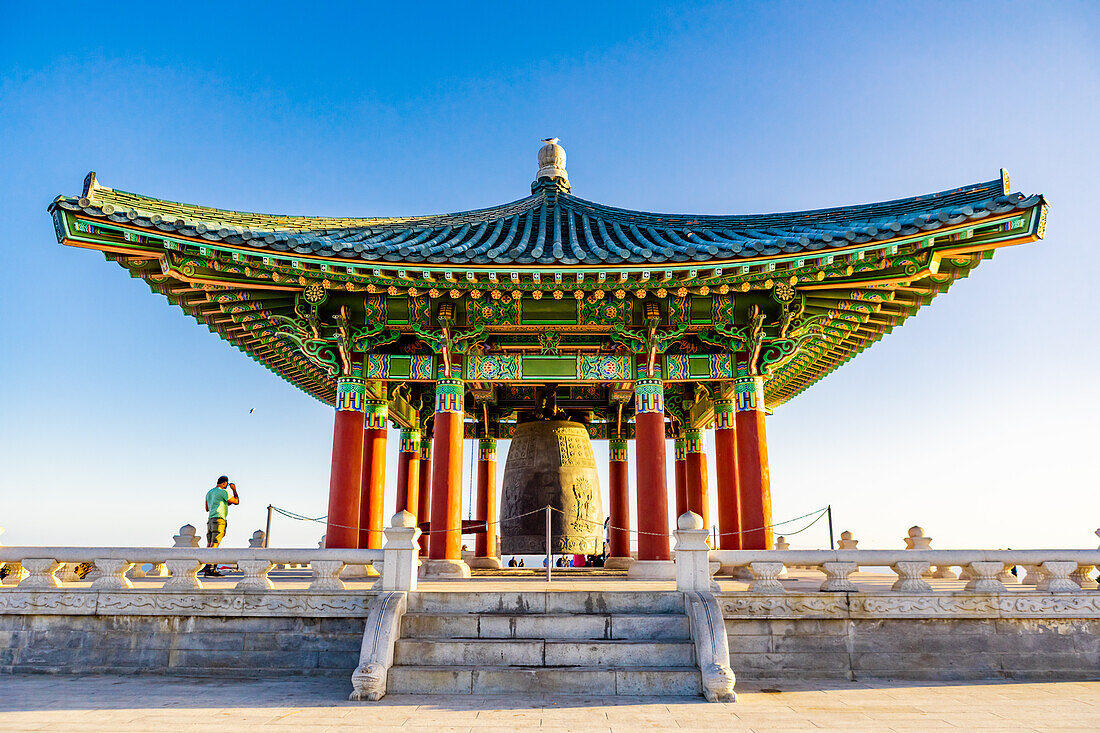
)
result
[(376, 413), (350, 393), (749, 390), (693, 440), (410, 440), (425, 449), (487, 449), (449, 395), (616, 449), (679, 448), (724, 411), (649, 395)]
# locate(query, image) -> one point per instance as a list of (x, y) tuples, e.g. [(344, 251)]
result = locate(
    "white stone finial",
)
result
[(403, 519), (186, 537), (259, 537), (321, 543), (782, 544), (552, 164), (846, 542), (916, 539), (689, 520)]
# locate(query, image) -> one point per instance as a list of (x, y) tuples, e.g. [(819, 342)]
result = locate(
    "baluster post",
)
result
[(255, 575), (765, 577), (836, 577), (183, 574), (984, 577), (910, 577), (39, 573), (326, 575), (1056, 579), (112, 574)]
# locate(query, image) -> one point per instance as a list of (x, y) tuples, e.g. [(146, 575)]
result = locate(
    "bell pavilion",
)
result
[(643, 327)]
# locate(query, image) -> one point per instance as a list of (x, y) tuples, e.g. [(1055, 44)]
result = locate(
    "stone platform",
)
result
[(872, 632), (224, 705)]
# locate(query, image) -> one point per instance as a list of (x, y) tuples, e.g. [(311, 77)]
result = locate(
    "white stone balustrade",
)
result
[(38, 566), (1050, 571)]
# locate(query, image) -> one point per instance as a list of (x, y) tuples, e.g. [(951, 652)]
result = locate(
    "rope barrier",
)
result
[(819, 512), (301, 517)]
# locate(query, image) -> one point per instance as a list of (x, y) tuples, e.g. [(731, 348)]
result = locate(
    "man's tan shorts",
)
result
[(215, 531)]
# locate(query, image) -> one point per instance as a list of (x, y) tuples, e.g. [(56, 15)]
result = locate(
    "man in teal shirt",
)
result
[(217, 507)]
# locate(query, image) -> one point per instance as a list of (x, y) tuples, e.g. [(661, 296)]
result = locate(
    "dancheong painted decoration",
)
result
[(554, 296)]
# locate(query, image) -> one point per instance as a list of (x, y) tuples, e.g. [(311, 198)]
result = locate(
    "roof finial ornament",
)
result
[(552, 172)]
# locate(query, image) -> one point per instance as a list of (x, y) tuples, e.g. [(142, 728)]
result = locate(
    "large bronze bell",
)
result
[(550, 462)]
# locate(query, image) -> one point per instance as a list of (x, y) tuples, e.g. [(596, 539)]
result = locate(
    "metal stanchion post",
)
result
[(267, 530), (829, 509), (547, 543)]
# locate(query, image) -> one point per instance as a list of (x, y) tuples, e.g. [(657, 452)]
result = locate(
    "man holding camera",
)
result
[(217, 507)]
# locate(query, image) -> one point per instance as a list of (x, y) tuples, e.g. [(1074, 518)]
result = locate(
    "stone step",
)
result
[(443, 680), (533, 602), (543, 653), (656, 626)]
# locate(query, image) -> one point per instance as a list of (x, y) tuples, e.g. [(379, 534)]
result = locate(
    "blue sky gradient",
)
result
[(976, 419)]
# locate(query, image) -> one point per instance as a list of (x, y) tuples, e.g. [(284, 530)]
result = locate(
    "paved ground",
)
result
[(109, 703)]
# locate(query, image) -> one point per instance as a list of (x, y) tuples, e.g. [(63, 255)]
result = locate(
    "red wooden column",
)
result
[(371, 507), (725, 466), (753, 481), (445, 549), (679, 473), (424, 496), (619, 531), (695, 464), (347, 459), (654, 557), (485, 543), (408, 472)]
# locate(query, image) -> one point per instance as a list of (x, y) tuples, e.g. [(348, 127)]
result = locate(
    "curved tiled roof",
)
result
[(552, 227)]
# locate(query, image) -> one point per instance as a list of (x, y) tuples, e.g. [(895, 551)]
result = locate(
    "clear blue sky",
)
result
[(977, 419)]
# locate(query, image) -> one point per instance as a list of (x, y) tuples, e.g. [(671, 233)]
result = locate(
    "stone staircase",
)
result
[(605, 643)]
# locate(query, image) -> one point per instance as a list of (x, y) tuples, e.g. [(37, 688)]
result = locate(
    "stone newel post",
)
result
[(399, 556), (692, 555)]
